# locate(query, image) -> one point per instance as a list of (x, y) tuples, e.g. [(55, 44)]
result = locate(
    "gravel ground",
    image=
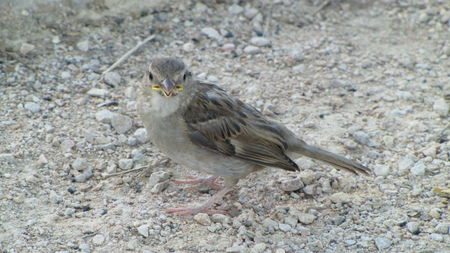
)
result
[(369, 79)]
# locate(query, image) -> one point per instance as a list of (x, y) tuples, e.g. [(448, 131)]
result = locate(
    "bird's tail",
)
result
[(336, 160)]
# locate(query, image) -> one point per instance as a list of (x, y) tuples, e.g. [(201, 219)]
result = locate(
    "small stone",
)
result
[(269, 223), (309, 189), (158, 177), (307, 176), (80, 164), (95, 92), (159, 187), (202, 219), (84, 247), (404, 164), (381, 170), (66, 75), (112, 78), (220, 218), (250, 12), (418, 169), (141, 135), (188, 47), (382, 243), (413, 227), (143, 230), (26, 48), (295, 56), (291, 185), (67, 145), (299, 69), (83, 45), (252, 50), (235, 249), (442, 228), (441, 107), (42, 159), (261, 41), (211, 33), (306, 218), (121, 123), (436, 237), (98, 239), (56, 39), (350, 242), (228, 47), (435, 213), (280, 251), (364, 138), (284, 227), (258, 248), (235, 9), (104, 116), (126, 164), (83, 177), (32, 107), (340, 197), (7, 157)]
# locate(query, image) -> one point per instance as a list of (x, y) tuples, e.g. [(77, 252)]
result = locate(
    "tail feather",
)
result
[(335, 160)]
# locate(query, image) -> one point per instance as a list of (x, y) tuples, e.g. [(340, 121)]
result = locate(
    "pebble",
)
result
[(83, 177), (418, 169), (350, 242), (66, 75), (7, 157), (295, 56), (104, 116), (126, 164), (84, 247), (235, 249), (212, 33), (364, 138), (141, 135), (258, 248), (83, 45), (307, 176), (98, 239), (404, 164), (284, 227), (299, 69), (413, 227), (382, 243), (121, 123), (220, 218), (310, 189), (381, 170), (442, 228), (306, 218), (26, 48), (252, 50), (436, 237), (112, 78), (80, 164), (158, 177), (32, 107), (67, 145), (143, 230), (96, 92), (340, 197), (435, 213), (291, 185), (441, 107), (228, 47), (188, 47), (269, 223), (235, 9), (159, 187), (202, 219), (261, 41)]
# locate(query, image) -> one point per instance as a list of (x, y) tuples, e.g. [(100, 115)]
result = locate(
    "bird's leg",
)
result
[(210, 181), (205, 208)]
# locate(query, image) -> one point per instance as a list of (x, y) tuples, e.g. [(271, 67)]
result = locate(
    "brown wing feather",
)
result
[(228, 126)]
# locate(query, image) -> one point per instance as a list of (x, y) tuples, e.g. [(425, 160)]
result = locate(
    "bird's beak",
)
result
[(167, 87)]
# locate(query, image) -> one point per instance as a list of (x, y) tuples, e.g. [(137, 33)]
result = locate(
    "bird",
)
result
[(200, 126)]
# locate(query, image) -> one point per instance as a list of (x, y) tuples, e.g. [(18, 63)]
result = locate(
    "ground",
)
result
[(366, 79)]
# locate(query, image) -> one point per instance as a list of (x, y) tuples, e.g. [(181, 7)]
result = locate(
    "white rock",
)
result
[(235, 9), (252, 50), (141, 135), (212, 33), (442, 228), (441, 107), (437, 237), (112, 78), (228, 47), (202, 219), (67, 145), (143, 230), (413, 227), (83, 177), (32, 107), (418, 169), (66, 75), (284, 227), (126, 164), (84, 247), (250, 12), (405, 164), (188, 47), (381, 170), (158, 177), (159, 187), (261, 41), (307, 176), (121, 123), (306, 218), (26, 48), (382, 243), (340, 197), (104, 116), (83, 45), (95, 92), (7, 157), (98, 239), (364, 138), (220, 218), (80, 164)]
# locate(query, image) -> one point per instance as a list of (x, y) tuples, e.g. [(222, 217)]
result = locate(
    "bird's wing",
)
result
[(222, 124)]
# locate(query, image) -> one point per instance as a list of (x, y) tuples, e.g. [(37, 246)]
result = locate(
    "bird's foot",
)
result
[(210, 182)]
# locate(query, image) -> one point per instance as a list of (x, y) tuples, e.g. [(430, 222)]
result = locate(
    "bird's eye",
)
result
[(179, 87), (150, 76), (156, 87)]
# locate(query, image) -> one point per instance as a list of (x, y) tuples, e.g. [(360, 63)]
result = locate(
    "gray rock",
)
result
[(83, 45), (306, 218), (126, 164), (220, 218), (350, 242), (66, 75), (104, 116), (188, 47), (310, 189), (32, 107), (307, 176), (202, 219), (235, 249), (364, 139), (235, 9), (269, 223), (212, 33), (261, 41), (95, 92), (80, 164), (258, 248), (382, 243), (441, 107), (83, 177), (418, 169), (341, 197), (228, 47), (250, 12), (442, 228), (67, 145), (381, 170), (284, 227), (158, 177), (112, 78), (121, 123), (159, 187), (436, 237), (290, 185), (252, 50), (143, 230), (141, 135), (84, 247), (413, 227), (405, 164), (98, 239), (291, 221), (26, 48)]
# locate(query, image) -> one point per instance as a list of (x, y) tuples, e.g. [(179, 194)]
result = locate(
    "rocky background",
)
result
[(368, 79)]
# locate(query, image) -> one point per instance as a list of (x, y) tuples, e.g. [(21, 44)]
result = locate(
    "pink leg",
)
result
[(210, 181), (203, 208)]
